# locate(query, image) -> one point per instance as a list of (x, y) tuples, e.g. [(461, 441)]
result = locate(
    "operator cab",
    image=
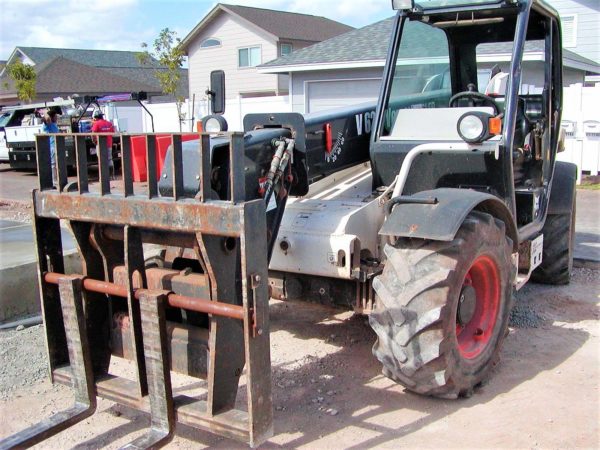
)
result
[(461, 118)]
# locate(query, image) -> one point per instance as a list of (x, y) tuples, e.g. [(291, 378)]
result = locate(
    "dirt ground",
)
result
[(328, 390)]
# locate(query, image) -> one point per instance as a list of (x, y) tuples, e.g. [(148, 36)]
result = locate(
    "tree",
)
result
[(168, 53), (24, 78)]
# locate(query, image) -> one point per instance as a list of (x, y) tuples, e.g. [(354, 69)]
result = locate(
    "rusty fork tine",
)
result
[(154, 329), (177, 167), (126, 165), (70, 288)]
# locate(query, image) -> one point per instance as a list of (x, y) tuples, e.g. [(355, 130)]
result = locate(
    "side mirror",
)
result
[(403, 5), (217, 91), (561, 140)]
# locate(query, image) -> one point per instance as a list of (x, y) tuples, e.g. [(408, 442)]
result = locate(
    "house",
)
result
[(63, 72), (580, 21), (236, 39), (347, 69)]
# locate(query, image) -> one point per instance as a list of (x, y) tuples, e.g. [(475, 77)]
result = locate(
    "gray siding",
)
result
[(233, 35), (588, 25), (302, 80)]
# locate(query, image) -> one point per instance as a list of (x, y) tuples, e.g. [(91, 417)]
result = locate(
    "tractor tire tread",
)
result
[(411, 319)]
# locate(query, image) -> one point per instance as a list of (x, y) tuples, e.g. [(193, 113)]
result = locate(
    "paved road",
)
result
[(587, 235), (16, 243), (16, 185)]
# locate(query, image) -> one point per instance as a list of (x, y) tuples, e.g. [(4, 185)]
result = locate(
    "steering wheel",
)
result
[(474, 95)]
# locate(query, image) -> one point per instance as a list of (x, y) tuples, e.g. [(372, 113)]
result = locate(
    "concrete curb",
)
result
[(19, 289)]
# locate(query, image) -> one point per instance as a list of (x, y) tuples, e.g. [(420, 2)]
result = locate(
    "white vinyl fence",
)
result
[(581, 122), (133, 119)]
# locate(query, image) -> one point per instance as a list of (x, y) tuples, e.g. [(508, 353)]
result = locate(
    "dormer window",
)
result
[(285, 49), (210, 42)]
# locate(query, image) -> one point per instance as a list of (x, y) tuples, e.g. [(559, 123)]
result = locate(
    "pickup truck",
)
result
[(19, 125), (23, 123)]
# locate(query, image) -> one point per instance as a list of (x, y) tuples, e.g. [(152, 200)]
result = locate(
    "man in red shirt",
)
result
[(101, 125)]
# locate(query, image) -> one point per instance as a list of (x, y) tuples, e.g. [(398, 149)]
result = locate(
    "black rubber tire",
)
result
[(557, 255), (416, 308)]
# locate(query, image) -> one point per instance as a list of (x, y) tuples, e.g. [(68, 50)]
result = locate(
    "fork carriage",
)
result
[(211, 325)]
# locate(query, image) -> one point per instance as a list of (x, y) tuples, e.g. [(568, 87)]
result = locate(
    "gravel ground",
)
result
[(23, 351), (328, 390), (16, 210), (524, 315), (22, 359), (329, 393)]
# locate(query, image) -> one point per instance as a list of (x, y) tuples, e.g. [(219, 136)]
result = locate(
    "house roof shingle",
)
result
[(61, 75), (288, 25), (371, 43), (64, 75), (94, 71), (280, 24), (95, 58), (364, 44)]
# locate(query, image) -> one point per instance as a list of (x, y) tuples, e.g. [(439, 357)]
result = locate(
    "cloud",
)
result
[(69, 24)]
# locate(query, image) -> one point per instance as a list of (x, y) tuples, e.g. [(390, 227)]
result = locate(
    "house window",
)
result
[(569, 30), (285, 49), (210, 42), (249, 57)]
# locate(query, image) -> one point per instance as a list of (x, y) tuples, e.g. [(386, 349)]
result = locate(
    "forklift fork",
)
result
[(70, 288), (160, 306)]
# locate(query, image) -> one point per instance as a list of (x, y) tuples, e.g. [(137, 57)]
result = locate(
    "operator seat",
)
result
[(496, 88)]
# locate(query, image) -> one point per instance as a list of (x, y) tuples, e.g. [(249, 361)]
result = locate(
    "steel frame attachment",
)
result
[(228, 296)]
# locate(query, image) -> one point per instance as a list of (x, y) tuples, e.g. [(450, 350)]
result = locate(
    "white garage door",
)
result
[(322, 95)]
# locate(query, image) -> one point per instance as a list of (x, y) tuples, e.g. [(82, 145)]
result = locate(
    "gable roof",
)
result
[(278, 24), (90, 71), (369, 43), (368, 46), (64, 76), (94, 58), (288, 25)]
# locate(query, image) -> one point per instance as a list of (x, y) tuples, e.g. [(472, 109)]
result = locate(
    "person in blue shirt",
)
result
[(50, 126)]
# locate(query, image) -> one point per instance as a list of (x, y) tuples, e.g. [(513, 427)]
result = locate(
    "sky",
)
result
[(125, 24)]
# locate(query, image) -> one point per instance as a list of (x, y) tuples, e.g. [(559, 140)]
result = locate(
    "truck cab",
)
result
[(11, 117), (20, 124)]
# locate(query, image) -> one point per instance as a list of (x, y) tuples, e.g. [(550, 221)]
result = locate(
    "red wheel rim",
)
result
[(474, 336)]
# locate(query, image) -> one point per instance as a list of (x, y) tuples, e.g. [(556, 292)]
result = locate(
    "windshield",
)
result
[(421, 76), (5, 118), (434, 4)]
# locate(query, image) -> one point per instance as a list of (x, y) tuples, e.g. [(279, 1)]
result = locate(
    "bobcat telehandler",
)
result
[(425, 211)]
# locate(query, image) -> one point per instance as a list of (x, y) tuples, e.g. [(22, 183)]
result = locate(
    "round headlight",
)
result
[(471, 128), (214, 124)]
